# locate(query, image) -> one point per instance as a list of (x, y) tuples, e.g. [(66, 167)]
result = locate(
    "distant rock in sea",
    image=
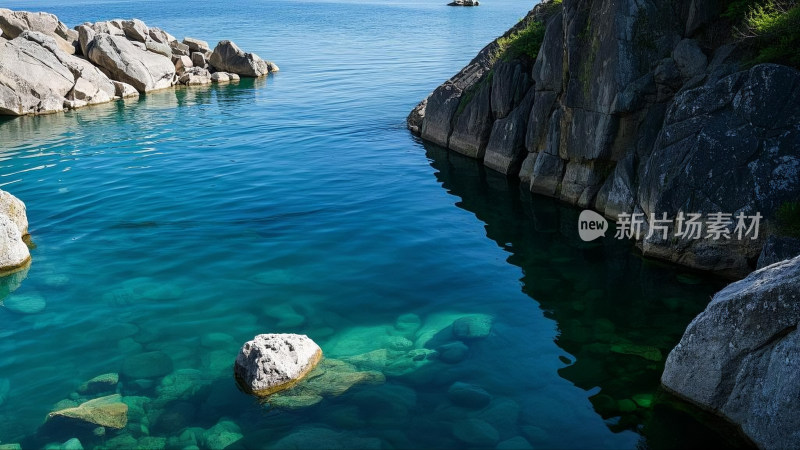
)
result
[(46, 67), (464, 3)]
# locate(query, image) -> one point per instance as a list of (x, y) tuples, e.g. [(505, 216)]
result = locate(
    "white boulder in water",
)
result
[(273, 362)]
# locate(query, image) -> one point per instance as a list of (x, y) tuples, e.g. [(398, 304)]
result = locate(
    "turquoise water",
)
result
[(190, 220)]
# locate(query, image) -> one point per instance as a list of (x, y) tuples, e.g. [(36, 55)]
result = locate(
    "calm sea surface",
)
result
[(190, 220)]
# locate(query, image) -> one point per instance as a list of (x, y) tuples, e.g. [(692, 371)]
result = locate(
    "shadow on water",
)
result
[(618, 314)]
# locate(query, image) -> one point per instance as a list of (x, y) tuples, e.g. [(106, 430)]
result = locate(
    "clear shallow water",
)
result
[(300, 203)]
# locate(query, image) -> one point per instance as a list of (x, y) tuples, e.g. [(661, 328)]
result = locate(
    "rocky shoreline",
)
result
[(650, 109), (46, 67)]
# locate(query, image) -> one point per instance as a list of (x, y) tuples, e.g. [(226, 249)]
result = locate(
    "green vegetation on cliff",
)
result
[(771, 27), (528, 40), (789, 219)]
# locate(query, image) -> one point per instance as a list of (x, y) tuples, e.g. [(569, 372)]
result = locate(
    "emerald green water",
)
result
[(188, 221)]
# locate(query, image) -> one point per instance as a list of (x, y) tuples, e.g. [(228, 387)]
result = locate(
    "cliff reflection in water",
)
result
[(618, 314)]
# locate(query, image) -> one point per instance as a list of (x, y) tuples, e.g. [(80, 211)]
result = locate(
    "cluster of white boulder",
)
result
[(46, 67), (14, 253)]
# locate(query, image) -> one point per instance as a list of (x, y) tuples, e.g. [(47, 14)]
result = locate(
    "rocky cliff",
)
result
[(45, 67), (631, 107)]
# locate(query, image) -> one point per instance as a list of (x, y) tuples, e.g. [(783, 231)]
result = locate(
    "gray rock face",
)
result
[(777, 249), (32, 78), (14, 23), (228, 57), (728, 146), (145, 71), (739, 356), (622, 111), (272, 362)]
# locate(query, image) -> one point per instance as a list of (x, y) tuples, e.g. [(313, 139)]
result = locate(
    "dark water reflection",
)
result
[(618, 314)]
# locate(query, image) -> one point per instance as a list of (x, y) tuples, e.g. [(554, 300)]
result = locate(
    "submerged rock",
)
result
[(107, 411), (473, 326), (99, 384), (331, 378), (475, 432), (222, 435), (316, 437), (468, 396), (273, 362), (739, 357), (25, 303)]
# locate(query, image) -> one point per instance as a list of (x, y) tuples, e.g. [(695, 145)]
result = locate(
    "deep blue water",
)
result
[(300, 203)]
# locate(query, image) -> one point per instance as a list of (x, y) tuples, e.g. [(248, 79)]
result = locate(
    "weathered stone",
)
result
[(14, 253), (179, 49), (273, 362), (195, 76), (739, 356), (182, 63), (135, 30), (32, 78), (145, 71), (15, 209), (160, 36), (158, 47), (230, 58), (14, 23), (196, 45), (198, 59), (220, 77), (124, 90)]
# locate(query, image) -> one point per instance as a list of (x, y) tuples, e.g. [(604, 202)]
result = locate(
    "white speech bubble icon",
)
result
[(591, 225)]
